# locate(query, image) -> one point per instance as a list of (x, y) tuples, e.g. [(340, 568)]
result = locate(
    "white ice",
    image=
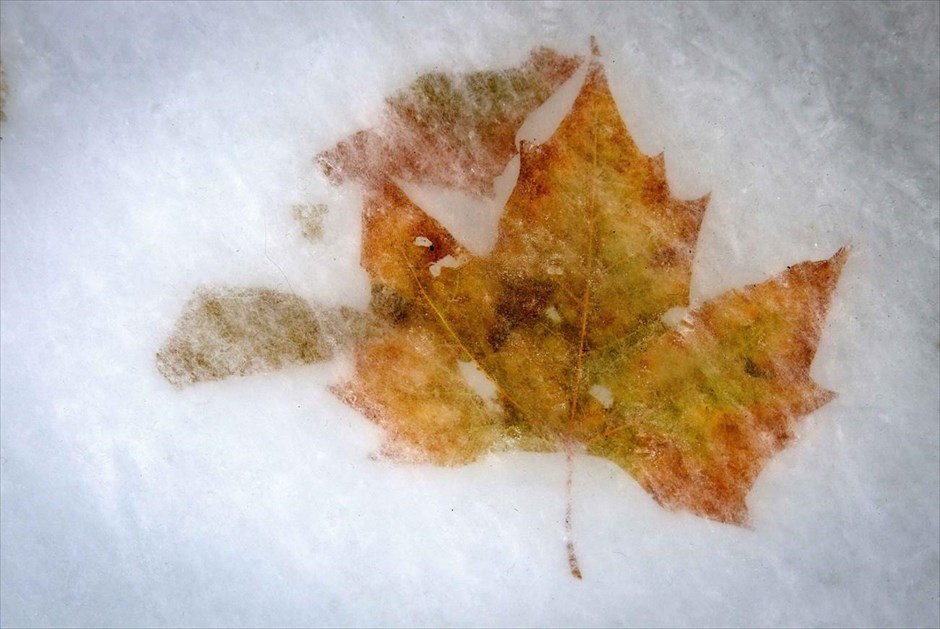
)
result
[(151, 148)]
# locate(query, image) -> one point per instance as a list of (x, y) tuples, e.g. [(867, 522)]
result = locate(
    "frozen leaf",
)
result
[(573, 333), (565, 319)]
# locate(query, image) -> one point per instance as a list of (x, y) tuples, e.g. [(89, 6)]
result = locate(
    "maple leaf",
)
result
[(564, 317), (563, 320)]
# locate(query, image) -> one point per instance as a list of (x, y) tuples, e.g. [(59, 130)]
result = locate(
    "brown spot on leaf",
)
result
[(522, 301)]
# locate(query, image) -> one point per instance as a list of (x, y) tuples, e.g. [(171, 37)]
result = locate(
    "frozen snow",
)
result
[(153, 148)]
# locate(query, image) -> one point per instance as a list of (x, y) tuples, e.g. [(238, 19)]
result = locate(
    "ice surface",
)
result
[(153, 148)]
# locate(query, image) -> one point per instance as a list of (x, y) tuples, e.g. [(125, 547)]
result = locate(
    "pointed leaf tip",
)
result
[(839, 257), (821, 275), (595, 48)]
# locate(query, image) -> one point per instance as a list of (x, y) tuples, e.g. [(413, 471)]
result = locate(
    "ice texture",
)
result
[(150, 149)]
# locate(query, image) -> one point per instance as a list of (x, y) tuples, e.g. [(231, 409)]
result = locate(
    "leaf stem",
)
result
[(569, 477), (579, 366)]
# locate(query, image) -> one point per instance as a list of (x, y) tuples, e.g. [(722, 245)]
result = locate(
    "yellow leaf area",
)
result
[(564, 318)]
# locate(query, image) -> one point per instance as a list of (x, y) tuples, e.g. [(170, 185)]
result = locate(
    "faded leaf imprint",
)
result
[(310, 218), (451, 130), (555, 340), (238, 331)]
